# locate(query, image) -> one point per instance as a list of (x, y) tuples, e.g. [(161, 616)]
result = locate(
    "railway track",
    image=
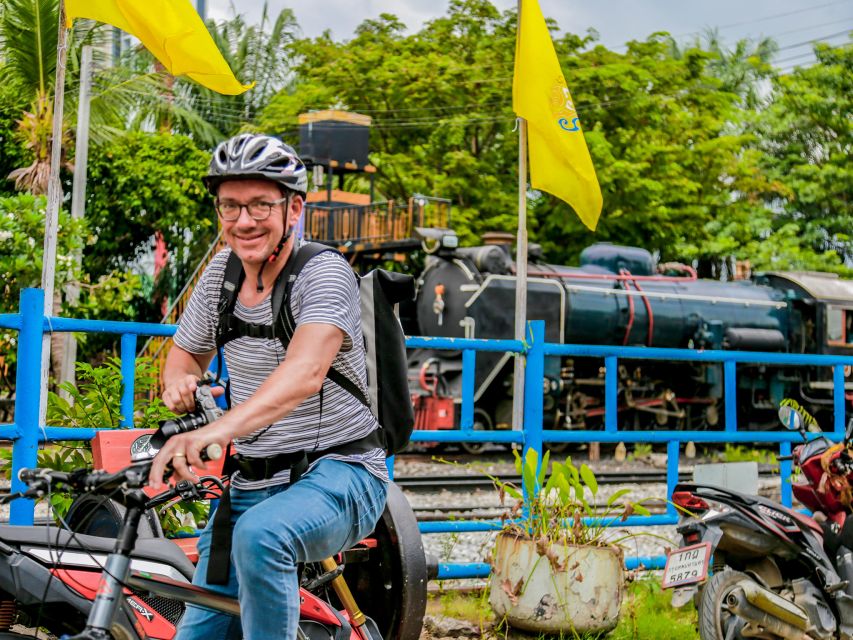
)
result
[(463, 482), (485, 512)]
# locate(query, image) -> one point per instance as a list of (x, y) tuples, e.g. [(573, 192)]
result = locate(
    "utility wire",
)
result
[(814, 26), (815, 40), (772, 17), (392, 123), (806, 54)]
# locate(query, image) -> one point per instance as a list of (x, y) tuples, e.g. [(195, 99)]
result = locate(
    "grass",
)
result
[(646, 614), (642, 450), (739, 453)]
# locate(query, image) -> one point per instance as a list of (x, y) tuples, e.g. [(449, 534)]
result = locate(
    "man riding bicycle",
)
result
[(288, 420)]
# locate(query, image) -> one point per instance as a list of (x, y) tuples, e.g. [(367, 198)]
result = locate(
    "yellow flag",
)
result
[(559, 158), (172, 30)]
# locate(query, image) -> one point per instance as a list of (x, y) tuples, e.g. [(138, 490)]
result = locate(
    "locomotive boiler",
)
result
[(620, 295)]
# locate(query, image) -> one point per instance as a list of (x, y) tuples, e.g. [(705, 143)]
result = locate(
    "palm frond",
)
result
[(28, 36)]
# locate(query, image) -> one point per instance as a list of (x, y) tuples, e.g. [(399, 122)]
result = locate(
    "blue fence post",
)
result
[(128, 378), (673, 451), (469, 364), (839, 409), (534, 379), (785, 467), (730, 394), (27, 395), (611, 392)]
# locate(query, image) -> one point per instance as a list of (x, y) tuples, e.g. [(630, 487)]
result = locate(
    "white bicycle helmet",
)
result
[(252, 156)]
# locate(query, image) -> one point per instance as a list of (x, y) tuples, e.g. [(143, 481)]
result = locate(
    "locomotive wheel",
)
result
[(391, 586), (482, 422), (716, 622)]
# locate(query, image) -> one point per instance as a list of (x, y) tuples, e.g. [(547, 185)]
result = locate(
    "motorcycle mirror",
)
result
[(790, 418)]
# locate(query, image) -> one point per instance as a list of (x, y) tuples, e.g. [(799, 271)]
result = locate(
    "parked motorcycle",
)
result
[(758, 569), (134, 586)]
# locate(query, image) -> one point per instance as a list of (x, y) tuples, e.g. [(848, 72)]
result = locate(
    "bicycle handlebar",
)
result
[(131, 477)]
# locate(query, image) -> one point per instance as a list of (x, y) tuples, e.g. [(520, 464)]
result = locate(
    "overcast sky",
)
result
[(793, 23)]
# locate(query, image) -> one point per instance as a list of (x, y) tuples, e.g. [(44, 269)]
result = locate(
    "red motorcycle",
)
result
[(134, 584), (758, 569)]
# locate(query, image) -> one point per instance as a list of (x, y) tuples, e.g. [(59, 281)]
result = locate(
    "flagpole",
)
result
[(54, 197), (78, 207), (520, 275)]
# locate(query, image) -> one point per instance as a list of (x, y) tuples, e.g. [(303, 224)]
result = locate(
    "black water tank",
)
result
[(614, 257), (341, 136)]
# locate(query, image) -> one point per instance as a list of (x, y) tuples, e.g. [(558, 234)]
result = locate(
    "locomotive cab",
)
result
[(826, 303)]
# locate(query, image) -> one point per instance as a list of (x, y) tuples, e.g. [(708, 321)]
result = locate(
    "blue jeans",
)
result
[(328, 510)]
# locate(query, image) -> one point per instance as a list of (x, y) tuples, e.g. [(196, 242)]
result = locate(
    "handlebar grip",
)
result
[(169, 428), (211, 452), (29, 475), (784, 458)]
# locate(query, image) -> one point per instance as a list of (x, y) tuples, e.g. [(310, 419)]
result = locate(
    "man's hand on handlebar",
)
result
[(184, 451)]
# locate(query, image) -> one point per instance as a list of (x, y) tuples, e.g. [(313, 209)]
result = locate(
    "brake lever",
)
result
[(37, 489)]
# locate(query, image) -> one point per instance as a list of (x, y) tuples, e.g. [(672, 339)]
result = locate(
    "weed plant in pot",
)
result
[(555, 568)]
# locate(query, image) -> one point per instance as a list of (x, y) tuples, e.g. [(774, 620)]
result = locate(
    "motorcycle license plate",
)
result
[(687, 565)]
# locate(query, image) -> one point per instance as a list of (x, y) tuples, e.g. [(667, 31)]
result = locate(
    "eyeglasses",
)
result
[(229, 210)]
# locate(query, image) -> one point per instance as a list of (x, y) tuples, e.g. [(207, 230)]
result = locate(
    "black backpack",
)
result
[(380, 290)]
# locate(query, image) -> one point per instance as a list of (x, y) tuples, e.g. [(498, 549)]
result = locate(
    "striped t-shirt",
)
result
[(325, 291)]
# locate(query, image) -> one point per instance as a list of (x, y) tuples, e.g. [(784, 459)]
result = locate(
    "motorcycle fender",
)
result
[(682, 595), (713, 535)]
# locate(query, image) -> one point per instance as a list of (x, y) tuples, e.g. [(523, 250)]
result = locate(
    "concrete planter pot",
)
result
[(571, 589)]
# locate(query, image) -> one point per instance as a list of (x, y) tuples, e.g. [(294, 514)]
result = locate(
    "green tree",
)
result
[(439, 98), (140, 184), (668, 153), (256, 53), (12, 152), (664, 131), (28, 39), (21, 248), (741, 69), (806, 138)]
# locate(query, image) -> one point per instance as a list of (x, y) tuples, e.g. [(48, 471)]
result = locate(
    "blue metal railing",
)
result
[(533, 435), (27, 434)]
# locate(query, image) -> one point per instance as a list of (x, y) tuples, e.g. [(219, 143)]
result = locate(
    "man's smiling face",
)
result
[(252, 240)]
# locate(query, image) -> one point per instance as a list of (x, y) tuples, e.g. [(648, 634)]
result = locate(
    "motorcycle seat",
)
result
[(151, 549)]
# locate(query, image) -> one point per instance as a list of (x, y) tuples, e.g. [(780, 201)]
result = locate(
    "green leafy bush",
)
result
[(563, 504), (96, 399), (95, 403)]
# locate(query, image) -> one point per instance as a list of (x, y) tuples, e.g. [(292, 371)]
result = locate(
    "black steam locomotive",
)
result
[(620, 296)]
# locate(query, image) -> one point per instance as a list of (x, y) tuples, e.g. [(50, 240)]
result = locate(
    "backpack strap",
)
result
[(231, 283), (230, 326), (284, 323)]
